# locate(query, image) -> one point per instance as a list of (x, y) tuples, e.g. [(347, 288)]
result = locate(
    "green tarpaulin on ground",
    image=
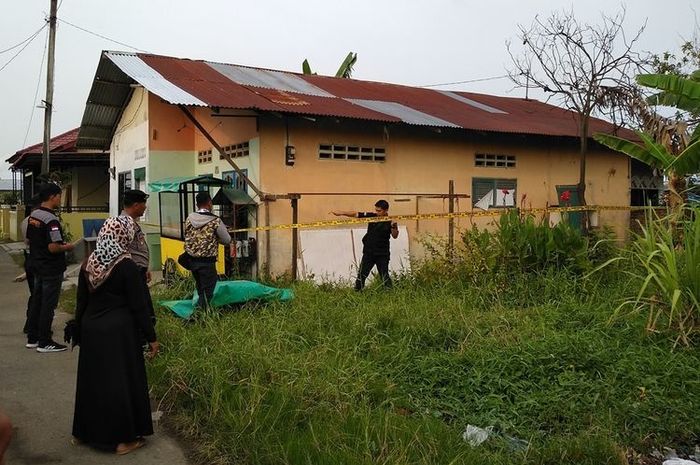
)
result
[(228, 293)]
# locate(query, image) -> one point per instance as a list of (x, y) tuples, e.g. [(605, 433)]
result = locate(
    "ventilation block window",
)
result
[(491, 160), (351, 153)]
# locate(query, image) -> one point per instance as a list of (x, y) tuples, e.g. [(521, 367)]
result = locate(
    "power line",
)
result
[(25, 40), (31, 39), (492, 78), (36, 93), (100, 35)]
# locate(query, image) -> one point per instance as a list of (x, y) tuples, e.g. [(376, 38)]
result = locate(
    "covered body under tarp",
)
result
[(229, 293)]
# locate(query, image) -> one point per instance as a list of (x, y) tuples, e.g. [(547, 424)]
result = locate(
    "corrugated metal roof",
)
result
[(268, 79), (139, 71), (402, 112), (61, 145), (218, 85), (471, 102)]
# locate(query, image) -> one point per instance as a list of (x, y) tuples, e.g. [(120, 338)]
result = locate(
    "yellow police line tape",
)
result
[(432, 216)]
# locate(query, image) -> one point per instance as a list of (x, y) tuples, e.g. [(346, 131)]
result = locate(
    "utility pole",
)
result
[(48, 103)]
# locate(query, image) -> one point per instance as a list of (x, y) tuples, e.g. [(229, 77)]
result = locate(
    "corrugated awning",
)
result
[(232, 195)]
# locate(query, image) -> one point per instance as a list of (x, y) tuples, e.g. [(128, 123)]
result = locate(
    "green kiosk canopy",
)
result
[(174, 184)]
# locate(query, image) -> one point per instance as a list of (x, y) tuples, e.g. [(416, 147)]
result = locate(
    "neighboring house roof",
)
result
[(180, 81), (60, 146)]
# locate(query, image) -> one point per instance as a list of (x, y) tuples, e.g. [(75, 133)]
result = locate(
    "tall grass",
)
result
[(667, 258), (394, 377), (508, 333)]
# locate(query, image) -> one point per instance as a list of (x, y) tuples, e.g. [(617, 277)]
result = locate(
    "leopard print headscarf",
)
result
[(112, 247)]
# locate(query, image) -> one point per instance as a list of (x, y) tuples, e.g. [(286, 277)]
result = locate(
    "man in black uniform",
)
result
[(28, 271), (48, 251), (134, 202), (375, 249)]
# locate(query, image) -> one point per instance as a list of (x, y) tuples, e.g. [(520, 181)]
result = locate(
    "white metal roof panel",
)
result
[(152, 80), (268, 79), (406, 114), (471, 102)]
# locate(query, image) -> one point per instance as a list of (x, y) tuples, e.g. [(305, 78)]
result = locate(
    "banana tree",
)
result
[(677, 91), (658, 156), (345, 70)]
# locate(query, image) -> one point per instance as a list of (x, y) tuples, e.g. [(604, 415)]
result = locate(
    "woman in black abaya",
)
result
[(112, 408)]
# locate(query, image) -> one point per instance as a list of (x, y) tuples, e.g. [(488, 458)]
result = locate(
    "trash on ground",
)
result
[(678, 461), (475, 435)]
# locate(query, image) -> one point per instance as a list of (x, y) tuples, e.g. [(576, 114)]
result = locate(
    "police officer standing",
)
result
[(375, 251), (48, 251), (134, 206)]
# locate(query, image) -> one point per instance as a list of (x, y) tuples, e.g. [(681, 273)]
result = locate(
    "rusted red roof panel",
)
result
[(239, 87)]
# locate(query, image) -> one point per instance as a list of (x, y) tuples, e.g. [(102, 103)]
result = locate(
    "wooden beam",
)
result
[(221, 151)]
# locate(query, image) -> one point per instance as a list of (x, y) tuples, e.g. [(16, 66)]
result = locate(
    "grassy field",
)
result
[(393, 377)]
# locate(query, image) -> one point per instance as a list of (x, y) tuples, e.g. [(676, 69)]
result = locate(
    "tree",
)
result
[(576, 63), (345, 70)]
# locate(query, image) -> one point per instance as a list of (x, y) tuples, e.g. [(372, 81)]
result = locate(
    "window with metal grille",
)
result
[(493, 193), (351, 153), (236, 150), (204, 156), (492, 160)]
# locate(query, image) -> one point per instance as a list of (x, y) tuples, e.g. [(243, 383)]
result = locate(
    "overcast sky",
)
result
[(413, 42)]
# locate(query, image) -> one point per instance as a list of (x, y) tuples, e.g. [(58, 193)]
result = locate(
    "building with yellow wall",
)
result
[(339, 143)]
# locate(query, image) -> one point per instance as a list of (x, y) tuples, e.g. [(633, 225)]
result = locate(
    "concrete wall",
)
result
[(73, 222), (419, 160), (129, 149), (4, 222), (90, 186)]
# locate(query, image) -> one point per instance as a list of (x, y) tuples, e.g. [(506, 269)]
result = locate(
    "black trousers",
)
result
[(30, 284), (204, 273), (47, 290), (369, 260)]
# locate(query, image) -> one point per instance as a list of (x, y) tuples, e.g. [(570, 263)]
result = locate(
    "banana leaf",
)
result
[(642, 154), (673, 84)]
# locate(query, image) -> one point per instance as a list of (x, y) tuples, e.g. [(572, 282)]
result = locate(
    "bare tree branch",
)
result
[(577, 64)]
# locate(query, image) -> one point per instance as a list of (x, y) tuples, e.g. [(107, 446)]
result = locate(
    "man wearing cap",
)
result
[(134, 202)]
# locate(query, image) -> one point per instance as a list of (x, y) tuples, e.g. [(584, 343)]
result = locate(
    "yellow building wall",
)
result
[(418, 160), (73, 222), (170, 249)]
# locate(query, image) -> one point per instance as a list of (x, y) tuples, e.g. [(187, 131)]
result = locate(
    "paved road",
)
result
[(37, 392)]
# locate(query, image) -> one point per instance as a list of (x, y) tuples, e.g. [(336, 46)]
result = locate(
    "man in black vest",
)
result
[(48, 251), (375, 243)]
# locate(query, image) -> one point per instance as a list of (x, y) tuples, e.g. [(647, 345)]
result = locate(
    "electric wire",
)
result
[(34, 34), (36, 92), (100, 35), (19, 51), (492, 78)]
